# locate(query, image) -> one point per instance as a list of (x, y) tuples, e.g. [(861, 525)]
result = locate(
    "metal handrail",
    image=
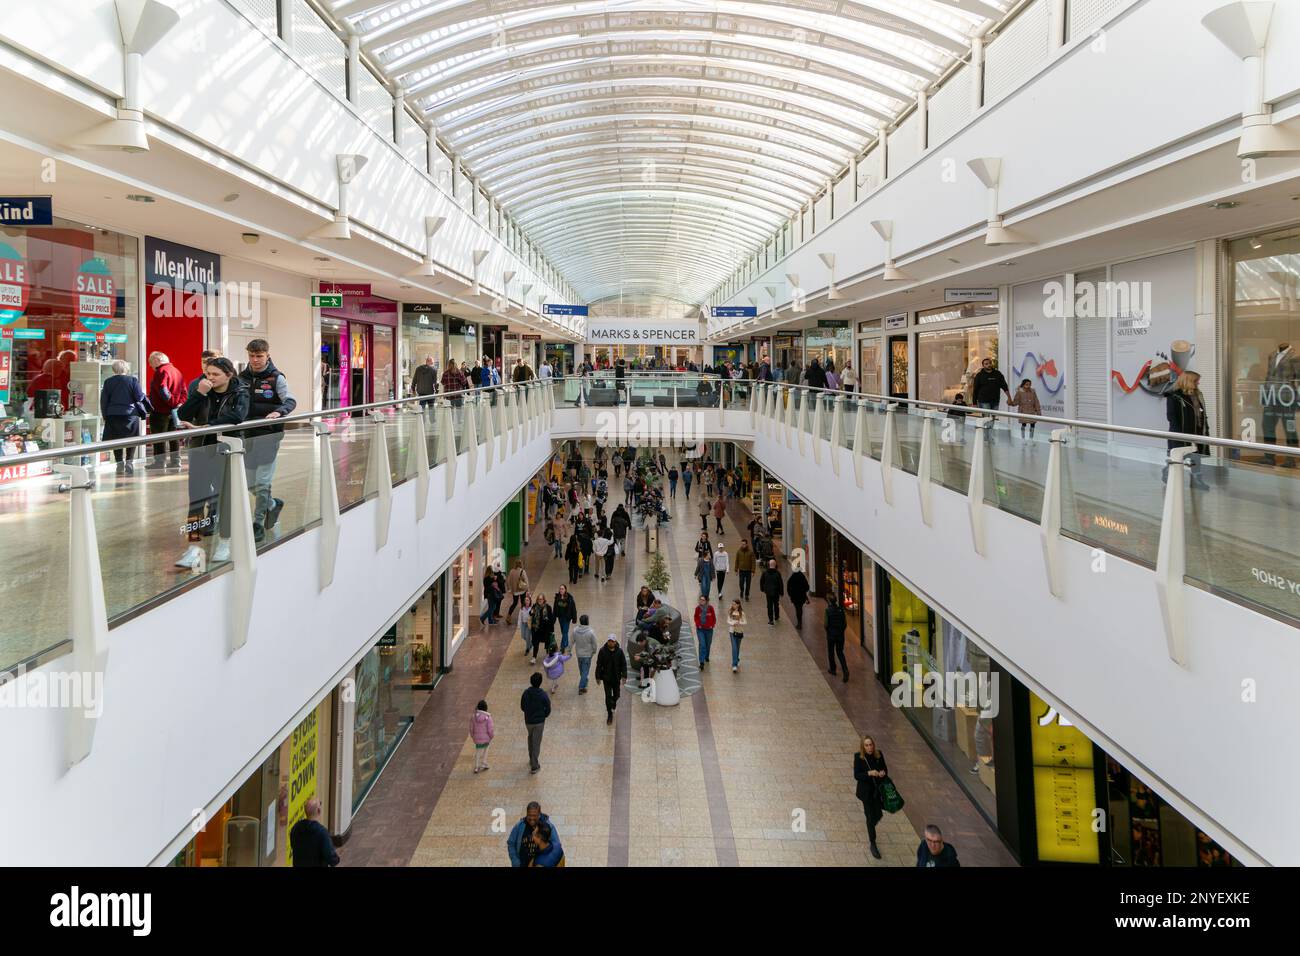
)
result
[(1183, 437), (94, 448)]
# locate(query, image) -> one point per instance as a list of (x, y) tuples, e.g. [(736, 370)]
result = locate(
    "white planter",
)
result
[(666, 692)]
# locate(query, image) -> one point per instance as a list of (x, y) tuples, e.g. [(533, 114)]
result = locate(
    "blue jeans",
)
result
[(584, 665), (688, 489), (705, 634), (706, 582), (559, 549), (992, 407), (736, 638), (564, 634), (672, 487)]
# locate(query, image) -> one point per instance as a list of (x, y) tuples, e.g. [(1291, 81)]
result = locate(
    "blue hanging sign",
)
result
[(549, 308), (26, 210), (734, 311)]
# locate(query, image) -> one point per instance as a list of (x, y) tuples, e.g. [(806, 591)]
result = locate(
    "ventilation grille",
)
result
[(261, 12), (1085, 16), (320, 51), (950, 106), (903, 146), (1016, 52)]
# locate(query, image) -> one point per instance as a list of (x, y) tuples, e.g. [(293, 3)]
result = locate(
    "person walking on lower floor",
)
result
[(542, 624), (519, 844), (869, 770), (517, 585), (836, 623), (933, 851), (721, 565), (744, 569), (773, 588), (611, 672), (554, 667), (688, 476), (566, 613), (704, 574), (719, 509), (736, 630), (524, 617), (536, 706), (481, 731), (602, 550), (705, 509), (797, 587), (310, 842), (584, 648), (548, 853), (573, 554), (673, 475), (706, 619)]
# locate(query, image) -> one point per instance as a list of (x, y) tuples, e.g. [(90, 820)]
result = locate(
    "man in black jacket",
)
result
[(772, 587), (309, 841), (797, 587), (988, 382), (836, 623), (425, 380), (933, 852), (268, 398), (536, 706), (611, 671)]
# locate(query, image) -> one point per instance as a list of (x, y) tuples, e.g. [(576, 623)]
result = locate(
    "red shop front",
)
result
[(357, 352)]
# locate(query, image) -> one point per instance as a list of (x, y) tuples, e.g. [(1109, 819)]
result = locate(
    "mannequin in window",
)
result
[(1278, 399)]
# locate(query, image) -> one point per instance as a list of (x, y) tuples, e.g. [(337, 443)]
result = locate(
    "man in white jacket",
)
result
[(721, 565), (849, 378)]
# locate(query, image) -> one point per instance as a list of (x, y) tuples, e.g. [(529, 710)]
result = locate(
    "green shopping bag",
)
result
[(891, 801)]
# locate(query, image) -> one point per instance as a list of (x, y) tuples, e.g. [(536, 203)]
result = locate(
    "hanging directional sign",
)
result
[(734, 311), (551, 308), (327, 301)]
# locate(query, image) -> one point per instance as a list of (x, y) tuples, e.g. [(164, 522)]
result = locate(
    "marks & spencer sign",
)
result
[(632, 332)]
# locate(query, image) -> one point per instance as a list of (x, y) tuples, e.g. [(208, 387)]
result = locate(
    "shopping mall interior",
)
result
[(367, 366)]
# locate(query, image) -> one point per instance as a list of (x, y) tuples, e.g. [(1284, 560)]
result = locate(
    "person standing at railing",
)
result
[(123, 403), (1026, 400), (424, 381), (849, 378), (832, 380), (268, 398), (816, 375), (986, 386), (1185, 410), (219, 398), (167, 393)]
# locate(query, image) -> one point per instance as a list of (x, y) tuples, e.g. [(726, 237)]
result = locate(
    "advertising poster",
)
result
[(15, 285), (1065, 792), (302, 774), (96, 296), (1038, 344), (1153, 335)]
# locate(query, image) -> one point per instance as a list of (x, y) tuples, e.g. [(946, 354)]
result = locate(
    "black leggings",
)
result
[(871, 827)]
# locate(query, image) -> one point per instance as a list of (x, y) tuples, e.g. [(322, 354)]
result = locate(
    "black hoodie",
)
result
[(268, 391)]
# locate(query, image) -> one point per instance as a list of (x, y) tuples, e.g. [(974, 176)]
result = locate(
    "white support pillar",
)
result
[(582, 402), (976, 74), (1171, 558), (887, 455), (816, 434), (329, 506), (471, 437), (379, 478), (1055, 25), (1049, 527), (503, 423), (447, 442), (979, 468), (489, 435), (861, 442), (788, 424), (421, 439), (243, 550), (837, 433), (86, 608), (753, 406), (548, 388), (922, 120), (925, 466), (354, 69), (801, 422)]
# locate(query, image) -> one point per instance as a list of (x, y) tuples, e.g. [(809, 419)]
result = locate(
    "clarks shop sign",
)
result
[(635, 332)]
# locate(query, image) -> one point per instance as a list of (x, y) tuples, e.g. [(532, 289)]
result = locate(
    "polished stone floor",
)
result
[(754, 769)]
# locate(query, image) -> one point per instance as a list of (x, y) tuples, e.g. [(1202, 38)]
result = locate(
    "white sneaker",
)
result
[(191, 558), (222, 553)]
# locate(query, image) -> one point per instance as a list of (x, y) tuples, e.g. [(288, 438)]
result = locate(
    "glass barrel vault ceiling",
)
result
[(649, 146)]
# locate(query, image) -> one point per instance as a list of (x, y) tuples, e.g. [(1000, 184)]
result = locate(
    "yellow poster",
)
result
[(304, 748), (1065, 789)]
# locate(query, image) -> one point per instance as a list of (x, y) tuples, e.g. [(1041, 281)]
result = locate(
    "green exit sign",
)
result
[(327, 301)]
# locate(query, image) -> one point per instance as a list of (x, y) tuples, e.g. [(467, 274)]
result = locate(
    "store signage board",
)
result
[(182, 267), (531, 338), (113, 338), (26, 333), (327, 301), (832, 323), (970, 295), (96, 295), (734, 312), (898, 321), (27, 210), (422, 308), (637, 332), (345, 288)]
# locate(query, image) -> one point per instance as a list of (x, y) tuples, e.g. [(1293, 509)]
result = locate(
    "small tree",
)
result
[(657, 577)]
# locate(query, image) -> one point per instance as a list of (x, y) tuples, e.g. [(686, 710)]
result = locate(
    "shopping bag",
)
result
[(891, 801)]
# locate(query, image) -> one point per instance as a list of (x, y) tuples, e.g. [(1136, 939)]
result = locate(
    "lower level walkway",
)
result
[(754, 769)]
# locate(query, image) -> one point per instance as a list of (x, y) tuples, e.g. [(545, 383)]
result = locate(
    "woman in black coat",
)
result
[(121, 402), (1185, 412), (797, 589), (868, 770), (219, 398), (571, 553)]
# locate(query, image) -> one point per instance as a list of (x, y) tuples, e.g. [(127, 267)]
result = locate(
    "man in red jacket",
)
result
[(167, 393), (706, 619)]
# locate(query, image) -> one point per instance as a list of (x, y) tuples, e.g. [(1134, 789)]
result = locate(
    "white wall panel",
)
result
[(321, 52), (950, 106), (903, 145)]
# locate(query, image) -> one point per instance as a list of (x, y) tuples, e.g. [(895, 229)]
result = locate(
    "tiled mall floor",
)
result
[(756, 769)]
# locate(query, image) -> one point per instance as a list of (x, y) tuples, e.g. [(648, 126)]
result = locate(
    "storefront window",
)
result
[(457, 603), (1264, 341), (833, 346), (419, 630), (422, 337), (848, 574), (869, 366), (68, 309), (385, 708), (383, 382), (462, 342), (948, 359)]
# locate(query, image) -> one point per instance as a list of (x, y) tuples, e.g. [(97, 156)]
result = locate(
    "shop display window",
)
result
[(385, 708), (948, 359)]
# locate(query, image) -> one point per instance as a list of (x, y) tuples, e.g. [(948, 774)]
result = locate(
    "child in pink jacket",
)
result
[(481, 732)]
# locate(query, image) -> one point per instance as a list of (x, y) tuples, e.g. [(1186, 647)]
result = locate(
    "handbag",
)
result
[(891, 801)]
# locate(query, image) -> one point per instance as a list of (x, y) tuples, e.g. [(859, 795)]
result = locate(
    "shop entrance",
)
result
[(898, 366)]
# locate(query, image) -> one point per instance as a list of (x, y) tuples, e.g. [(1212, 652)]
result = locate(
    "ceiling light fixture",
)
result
[(230, 197), (347, 166), (1243, 28), (250, 238), (988, 170), (139, 197), (1225, 204), (885, 229), (431, 226), (142, 24)]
